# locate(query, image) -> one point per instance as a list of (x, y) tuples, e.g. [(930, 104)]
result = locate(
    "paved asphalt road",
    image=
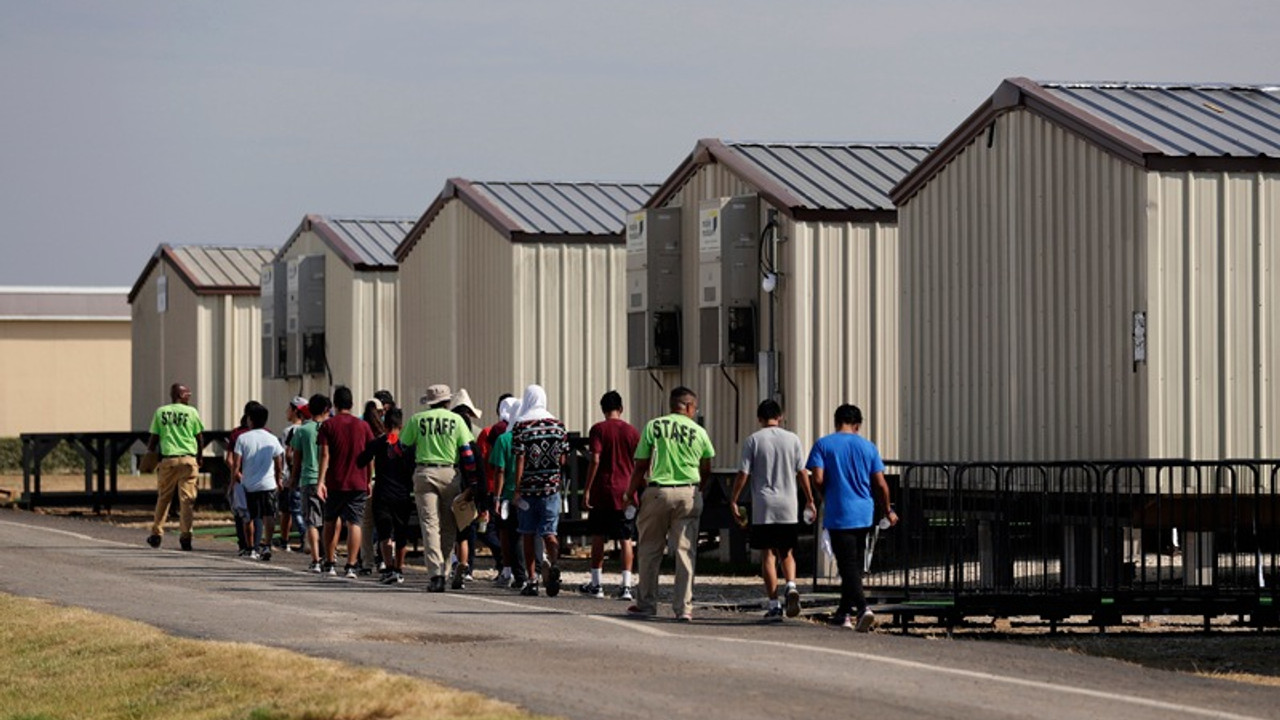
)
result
[(580, 657)]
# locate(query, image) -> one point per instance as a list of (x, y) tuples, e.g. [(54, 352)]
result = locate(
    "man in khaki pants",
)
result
[(441, 441), (176, 433), (676, 453)]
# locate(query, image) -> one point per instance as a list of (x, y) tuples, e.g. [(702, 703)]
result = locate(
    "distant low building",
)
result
[(196, 321), (66, 359)]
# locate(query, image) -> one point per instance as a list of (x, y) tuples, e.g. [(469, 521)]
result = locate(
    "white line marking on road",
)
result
[(649, 630), (977, 675), (66, 532)]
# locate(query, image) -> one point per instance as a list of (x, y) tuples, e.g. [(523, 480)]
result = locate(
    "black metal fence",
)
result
[(1151, 536), (101, 453)]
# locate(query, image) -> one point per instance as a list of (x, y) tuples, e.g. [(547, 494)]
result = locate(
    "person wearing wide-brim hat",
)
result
[(441, 441)]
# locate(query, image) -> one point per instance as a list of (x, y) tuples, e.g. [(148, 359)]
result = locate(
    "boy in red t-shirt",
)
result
[(613, 448)]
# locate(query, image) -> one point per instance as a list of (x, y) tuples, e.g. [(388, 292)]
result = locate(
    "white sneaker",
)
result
[(624, 593), (866, 621)]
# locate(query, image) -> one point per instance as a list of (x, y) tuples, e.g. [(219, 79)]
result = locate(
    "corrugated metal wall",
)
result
[(569, 333), (166, 348), (1022, 266), (429, 304), (838, 328), (728, 416), (1214, 354), (361, 328), (232, 365), (492, 316)]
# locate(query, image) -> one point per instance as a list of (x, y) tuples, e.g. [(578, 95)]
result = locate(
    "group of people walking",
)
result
[(501, 485)]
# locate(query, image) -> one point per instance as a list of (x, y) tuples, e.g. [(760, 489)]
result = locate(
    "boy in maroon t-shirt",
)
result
[(613, 447), (344, 485)]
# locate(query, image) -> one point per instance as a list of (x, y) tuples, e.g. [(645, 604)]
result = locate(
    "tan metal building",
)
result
[(509, 283), (350, 339), (835, 303), (66, 359), (195, 321), (1089, 271)]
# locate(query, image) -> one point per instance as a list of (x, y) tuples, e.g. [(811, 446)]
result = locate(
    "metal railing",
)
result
[(101, 454), (1120, 529)]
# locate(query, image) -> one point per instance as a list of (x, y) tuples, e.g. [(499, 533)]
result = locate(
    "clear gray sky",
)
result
[(127, 124)]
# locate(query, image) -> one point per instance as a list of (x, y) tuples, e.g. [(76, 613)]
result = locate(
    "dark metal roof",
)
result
[(541, 211), (364, 243), (1218, 128), (1185, 120), (211, 269), (808, 181), (220, 267), (64, 303), (565, 208)]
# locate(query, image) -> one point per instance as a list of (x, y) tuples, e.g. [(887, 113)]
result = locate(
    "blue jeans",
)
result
[(542, 517)]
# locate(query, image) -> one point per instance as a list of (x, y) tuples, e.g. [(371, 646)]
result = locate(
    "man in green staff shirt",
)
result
[(676, 454), (176, 432), (441, 440)]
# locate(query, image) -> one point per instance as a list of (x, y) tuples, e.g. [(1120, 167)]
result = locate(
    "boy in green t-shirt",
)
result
[(676, 454), (177, 433), (304, 457)]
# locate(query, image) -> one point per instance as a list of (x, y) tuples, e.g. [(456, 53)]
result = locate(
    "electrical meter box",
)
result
[(305, 315), (653, 288), (273, 304), (728, 279)]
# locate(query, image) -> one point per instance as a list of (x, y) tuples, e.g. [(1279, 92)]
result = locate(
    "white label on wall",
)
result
[(162, 293)]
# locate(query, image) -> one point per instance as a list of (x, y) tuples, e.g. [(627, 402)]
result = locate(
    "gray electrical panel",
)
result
[(728, 279), (273, 304), (305, 316), (653, 288)]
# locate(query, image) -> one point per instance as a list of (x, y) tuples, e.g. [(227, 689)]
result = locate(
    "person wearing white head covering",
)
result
[(533, 406), (500, 466), (540, 444)]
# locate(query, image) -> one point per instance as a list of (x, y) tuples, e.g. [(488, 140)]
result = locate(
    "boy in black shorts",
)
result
[(392, 494), (612, 443), (773, 460)]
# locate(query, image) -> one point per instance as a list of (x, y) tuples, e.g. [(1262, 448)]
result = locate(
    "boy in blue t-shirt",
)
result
[(847, 469)]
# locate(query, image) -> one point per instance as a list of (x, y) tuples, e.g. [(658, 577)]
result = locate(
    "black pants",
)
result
[(850, 548)]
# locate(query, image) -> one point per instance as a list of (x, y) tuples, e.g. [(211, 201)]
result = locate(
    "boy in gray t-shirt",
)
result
[(773, 460)]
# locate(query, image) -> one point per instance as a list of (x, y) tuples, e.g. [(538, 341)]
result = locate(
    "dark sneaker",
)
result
[(316, 567), (265, 553), (530, 589), (459, 577), (636, 611), (387, 577), (154, 541), (773, 614), (436, 584), (624, 593), (185, 543), (329, 569), (352, 571), (361, 569), (793, 602), (592, 590), (553, 581), (517, 582)]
